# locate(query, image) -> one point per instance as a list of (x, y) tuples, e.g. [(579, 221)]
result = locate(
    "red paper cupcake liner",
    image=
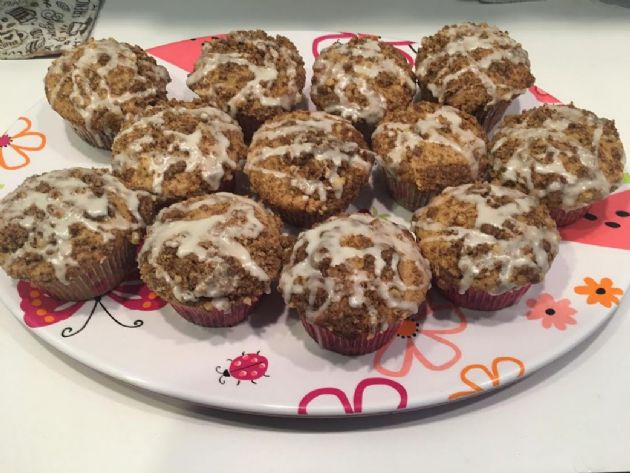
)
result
[(479, 299), (95, 279), (215, 318), (97, 139), (407, 194), (566, 217), (344, 346)]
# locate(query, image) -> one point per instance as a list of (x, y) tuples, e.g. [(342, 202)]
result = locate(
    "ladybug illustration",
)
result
[(607, 223), (247, 367)]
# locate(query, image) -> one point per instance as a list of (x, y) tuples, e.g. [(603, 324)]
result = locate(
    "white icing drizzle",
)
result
[(325, 243), (264, 76), (443, 127), (68, 203), (182, 147), (212, 241), (359, 74), (537, 154), (335, 153), (88, 98), (523, 248), (473, 37)]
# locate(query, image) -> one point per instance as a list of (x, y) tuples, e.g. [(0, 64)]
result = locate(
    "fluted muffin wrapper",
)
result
[(566, 217), (99, 139), (491, 116), (95, 279), (478, 299), (299, 218), (215, 318), (356, 346), (407, 194)]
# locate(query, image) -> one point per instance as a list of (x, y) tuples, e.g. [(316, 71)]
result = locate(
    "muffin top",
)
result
[(565, 156), (309, 161), (54, 223), (95, 84), (178, 149), (212, 251), (355, 275), (486, 237), (472, 66), (361, 80), (249, 73), (432, 146)]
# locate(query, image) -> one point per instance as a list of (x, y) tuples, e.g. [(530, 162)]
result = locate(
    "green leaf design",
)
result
[(626, 177), (375, 213)]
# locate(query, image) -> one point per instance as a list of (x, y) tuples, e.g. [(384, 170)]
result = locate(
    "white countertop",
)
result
[(573, 415)]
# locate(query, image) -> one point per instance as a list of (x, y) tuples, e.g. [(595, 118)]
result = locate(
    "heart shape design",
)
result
[(493, 375), (356, 406), (346, 35)]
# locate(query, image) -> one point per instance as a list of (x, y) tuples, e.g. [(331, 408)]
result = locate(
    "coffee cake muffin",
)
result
[(474, 67), (565, 156), (353, 280), (427, 147), (250, 75), (178, 150), (308, 166), (486, 244), (213, 257), (361, 80), (94, 86), (72, 233)]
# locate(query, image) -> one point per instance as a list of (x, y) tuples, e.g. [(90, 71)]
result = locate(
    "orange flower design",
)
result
[(420, 341), (13, 148), (485, 378), (601, 292)]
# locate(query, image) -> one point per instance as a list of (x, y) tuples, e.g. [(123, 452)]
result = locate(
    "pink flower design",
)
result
[(356, 406), (552, 313), (421, 341)]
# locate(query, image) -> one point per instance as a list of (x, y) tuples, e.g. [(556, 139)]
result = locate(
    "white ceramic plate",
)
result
[(449, 354)]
